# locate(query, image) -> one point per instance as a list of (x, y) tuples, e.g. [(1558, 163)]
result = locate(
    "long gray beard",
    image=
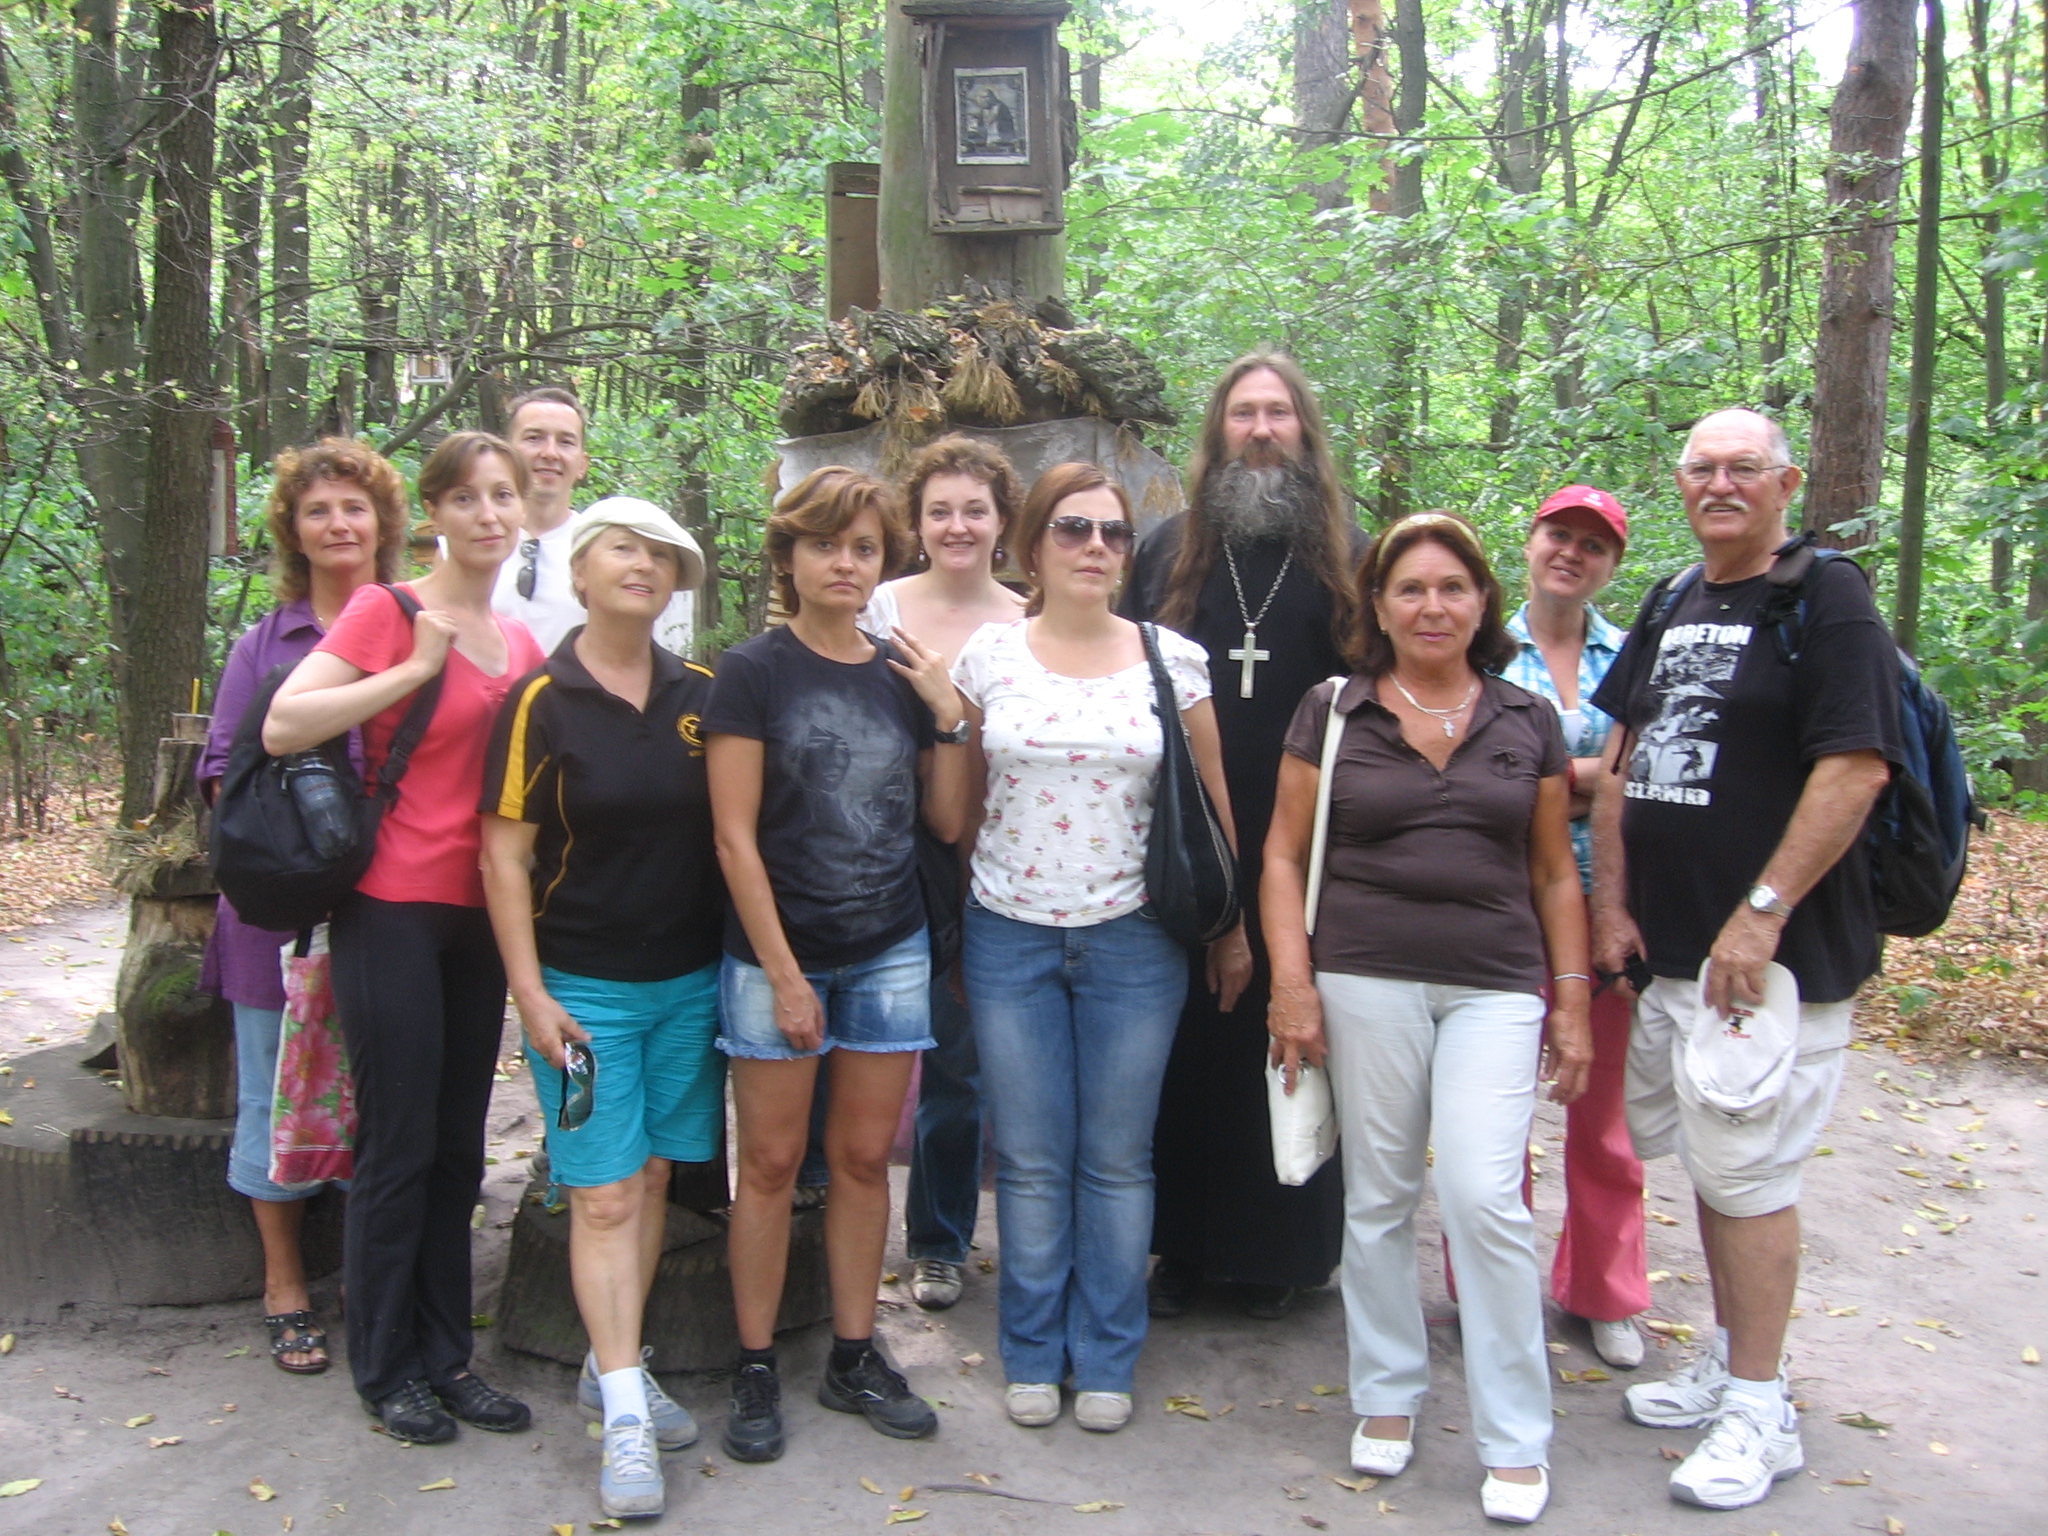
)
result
[(1244, 502)]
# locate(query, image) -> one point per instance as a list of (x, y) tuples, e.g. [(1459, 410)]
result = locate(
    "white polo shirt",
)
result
[(553, 611)]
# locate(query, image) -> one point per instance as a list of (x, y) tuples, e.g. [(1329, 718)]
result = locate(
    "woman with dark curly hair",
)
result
[(337, 518), (1448, 910)]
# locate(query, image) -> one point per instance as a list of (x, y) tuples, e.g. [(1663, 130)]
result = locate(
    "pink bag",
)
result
[(313, 1116)]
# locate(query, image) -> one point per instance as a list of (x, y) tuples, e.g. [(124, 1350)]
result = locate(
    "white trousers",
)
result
[(1417, 1068)]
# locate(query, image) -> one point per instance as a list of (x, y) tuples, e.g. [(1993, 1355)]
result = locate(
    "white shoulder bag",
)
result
[(1305, 1121)]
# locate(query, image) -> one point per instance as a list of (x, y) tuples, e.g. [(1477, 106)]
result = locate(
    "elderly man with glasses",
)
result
[(1758, 706)]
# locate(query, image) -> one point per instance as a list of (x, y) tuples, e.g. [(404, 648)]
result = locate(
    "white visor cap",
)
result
[(645, 519)]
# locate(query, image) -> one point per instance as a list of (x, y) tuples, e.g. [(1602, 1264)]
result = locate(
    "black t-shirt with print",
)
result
[(626, 884), (1725, 732), (838, 794)]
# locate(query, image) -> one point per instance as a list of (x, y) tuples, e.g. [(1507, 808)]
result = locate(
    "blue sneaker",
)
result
[(673, 1427), (629, 1485)]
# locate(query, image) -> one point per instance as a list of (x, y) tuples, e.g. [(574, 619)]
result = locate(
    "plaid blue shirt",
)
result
[(1529, 670)]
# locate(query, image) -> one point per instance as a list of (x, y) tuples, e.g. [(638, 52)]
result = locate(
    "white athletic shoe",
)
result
[(1619, 1344), (629, 1481), (1684, 1401), (935, 1284), (1381, 1458), (1515, 1503), (1103, 1412), (1033, 1404), (1741, 1457)]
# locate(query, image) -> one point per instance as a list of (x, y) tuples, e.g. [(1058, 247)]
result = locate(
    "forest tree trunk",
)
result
[(1926, 314), (1852, 355), (170, 609), (241, 300), (1397, 418), (1322, 86), (290, 238)]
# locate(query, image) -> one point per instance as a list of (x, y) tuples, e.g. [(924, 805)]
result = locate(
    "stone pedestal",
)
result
[(689, 1319), (102, 1207)]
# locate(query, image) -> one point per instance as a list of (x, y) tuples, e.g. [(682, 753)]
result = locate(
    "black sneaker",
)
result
[(413, 1414), (753, 1425), (876, 1390), (1268, 1303), (470, 1399), (1172, 1288)]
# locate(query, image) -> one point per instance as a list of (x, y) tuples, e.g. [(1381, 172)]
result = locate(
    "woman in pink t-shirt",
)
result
[(417, 980)]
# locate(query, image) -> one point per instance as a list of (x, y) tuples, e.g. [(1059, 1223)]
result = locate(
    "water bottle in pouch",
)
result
[(323, 802)]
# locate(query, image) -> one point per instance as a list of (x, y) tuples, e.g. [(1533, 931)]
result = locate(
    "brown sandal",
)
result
[(295, 1333)]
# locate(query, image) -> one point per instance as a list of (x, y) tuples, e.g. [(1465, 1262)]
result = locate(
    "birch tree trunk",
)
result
[(290, 238)]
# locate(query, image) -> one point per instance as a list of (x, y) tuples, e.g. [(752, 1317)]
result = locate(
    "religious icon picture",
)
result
[(991, 116)]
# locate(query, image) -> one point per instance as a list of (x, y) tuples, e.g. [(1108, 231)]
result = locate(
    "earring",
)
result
[(1002, 555)]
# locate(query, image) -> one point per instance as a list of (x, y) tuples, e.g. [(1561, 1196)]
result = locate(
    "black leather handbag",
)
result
[(1190, 871)]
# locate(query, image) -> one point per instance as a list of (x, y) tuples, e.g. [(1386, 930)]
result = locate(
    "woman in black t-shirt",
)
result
[(823, 741), (605, 896)]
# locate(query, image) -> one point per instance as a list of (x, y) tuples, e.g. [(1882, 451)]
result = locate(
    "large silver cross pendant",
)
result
[(1251, 656)]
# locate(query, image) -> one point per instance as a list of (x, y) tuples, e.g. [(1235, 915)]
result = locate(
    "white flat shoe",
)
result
[(1381, 1458), (1033, 1404), (1516, 1503), (1103, 1412), (1619, 1344)]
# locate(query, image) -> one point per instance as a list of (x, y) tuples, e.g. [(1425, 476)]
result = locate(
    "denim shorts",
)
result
[(882, 1004), (660, 1088)]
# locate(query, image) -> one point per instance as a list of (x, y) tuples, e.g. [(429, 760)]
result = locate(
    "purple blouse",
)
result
[(242, 963)]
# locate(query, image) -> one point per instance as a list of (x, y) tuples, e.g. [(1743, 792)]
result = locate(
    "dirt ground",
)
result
[(1923, 1286)]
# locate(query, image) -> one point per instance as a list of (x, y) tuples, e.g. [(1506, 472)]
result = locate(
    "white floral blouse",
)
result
[(1071, 762)]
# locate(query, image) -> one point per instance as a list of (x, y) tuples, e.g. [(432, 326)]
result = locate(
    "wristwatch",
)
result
[(1763, 899), (956, 737)]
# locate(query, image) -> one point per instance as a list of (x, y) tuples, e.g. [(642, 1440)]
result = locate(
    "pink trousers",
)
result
[(1602, 1267)]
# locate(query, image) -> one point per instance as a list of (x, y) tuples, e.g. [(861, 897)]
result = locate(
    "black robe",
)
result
[(1219, 1209)]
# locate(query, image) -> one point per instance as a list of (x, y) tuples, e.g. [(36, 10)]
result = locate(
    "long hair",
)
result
[(332, 458), (1201, 546), (1047, 492), (820, 506), (1371, 650)]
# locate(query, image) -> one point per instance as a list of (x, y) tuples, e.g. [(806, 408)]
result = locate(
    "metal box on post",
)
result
[(997, 114)]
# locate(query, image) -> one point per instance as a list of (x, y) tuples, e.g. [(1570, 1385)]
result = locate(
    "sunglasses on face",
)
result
[(529, 563), (1073, 532), (579, 1086)]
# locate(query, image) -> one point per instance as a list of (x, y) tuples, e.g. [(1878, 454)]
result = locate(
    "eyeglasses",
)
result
[(529, 565), (1744, 472), (1073, 532), (579, 1086)]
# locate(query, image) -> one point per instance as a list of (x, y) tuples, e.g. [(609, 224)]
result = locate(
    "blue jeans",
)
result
[(1074, 1026), (878, 1004), (945, 1162), (257, 1035)]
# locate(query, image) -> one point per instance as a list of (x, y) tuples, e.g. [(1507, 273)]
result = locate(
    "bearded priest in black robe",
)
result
[(1259, 573)]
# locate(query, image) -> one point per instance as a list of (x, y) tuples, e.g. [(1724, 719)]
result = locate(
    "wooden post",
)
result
[(918, 265)]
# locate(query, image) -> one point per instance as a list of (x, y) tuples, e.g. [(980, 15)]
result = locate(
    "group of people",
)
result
[(913, 819)]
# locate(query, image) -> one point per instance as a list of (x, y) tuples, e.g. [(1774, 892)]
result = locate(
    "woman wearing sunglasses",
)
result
[(1075, 990), (605, 895), (823, 741)]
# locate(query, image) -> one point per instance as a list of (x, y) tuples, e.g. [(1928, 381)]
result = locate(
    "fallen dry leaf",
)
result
[(1322, 1391), (1314, 1524), (7, 1344), (871, 1485), (155, 1370), (905, 1496), (986, 1479), (1567, 1377), (1926, 1344), (1860, 1420), (977, 1358), (1670, 1453), (1937, 1447), (986, 1266), (905, 1516), (138, 1421), (1558, 1349), (563, 1530), (1271, 1402), (1658, 1276), (158, 1442), (1869, 1114), (2030, 1356), (67, 1392), (439, 1485), (1296, 1495), (6, 1117), (1386, 1508), (1359, 1484), (1843, 1311), (1097, 1507), (1661, 1219), (607, 1525), (1594, 1374), (1852, 1482), (1306, 1408), (1894, 1526), (19, 1486), (1226, 1408), (236, 1353), (114, 1525), (262, 1491)]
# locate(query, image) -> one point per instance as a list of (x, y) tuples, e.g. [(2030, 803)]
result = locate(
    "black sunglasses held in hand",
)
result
[(579, 1086), (1072, 531)]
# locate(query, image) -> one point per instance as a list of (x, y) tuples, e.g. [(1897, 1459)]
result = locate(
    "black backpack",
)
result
[(265, 861), (1918, 835)]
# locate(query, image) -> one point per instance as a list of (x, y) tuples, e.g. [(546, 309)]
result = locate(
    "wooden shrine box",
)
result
[(996, 114)]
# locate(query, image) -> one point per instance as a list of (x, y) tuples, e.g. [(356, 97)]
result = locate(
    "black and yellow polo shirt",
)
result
[(626, 884)]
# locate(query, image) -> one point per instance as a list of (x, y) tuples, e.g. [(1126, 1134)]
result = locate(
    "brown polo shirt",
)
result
[(1426, 876)]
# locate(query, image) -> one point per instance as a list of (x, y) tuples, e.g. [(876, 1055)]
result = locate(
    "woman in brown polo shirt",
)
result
[(1450, 906)]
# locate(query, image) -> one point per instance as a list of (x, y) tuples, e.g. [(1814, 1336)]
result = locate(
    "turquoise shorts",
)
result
[(660, 1083)]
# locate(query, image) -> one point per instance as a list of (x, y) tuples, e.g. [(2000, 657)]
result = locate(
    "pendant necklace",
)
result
[(1448, 718), (1249, 653)]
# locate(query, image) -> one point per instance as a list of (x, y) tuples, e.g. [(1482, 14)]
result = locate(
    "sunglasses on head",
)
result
[(529, 562), (1073, 531)]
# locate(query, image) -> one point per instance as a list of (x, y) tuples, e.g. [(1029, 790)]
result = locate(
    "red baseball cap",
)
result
[(1594, 500)]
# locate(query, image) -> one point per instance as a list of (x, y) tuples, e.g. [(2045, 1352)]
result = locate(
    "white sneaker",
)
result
[(1034, 1404), (1619, 1344), (1103, 1412), (1381, 1458), (1741, 1457), (629, 1482), (935, 1284), (1684, 1401), (1516, 1503)]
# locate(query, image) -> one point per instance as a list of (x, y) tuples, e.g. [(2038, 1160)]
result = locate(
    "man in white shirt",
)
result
[(547, 428)]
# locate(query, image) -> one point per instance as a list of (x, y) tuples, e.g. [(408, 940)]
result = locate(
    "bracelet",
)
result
[(1574, 976)]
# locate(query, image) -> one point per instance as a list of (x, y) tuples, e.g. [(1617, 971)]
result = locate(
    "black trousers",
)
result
[(421, 994)]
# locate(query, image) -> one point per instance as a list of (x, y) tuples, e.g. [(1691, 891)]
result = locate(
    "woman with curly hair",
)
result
[(336, 518)]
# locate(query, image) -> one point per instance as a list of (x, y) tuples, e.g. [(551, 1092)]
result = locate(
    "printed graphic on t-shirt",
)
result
[(859, 787), (1674, 756)]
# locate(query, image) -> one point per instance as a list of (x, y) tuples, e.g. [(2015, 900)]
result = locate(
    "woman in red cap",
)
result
[(1574, 546)]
